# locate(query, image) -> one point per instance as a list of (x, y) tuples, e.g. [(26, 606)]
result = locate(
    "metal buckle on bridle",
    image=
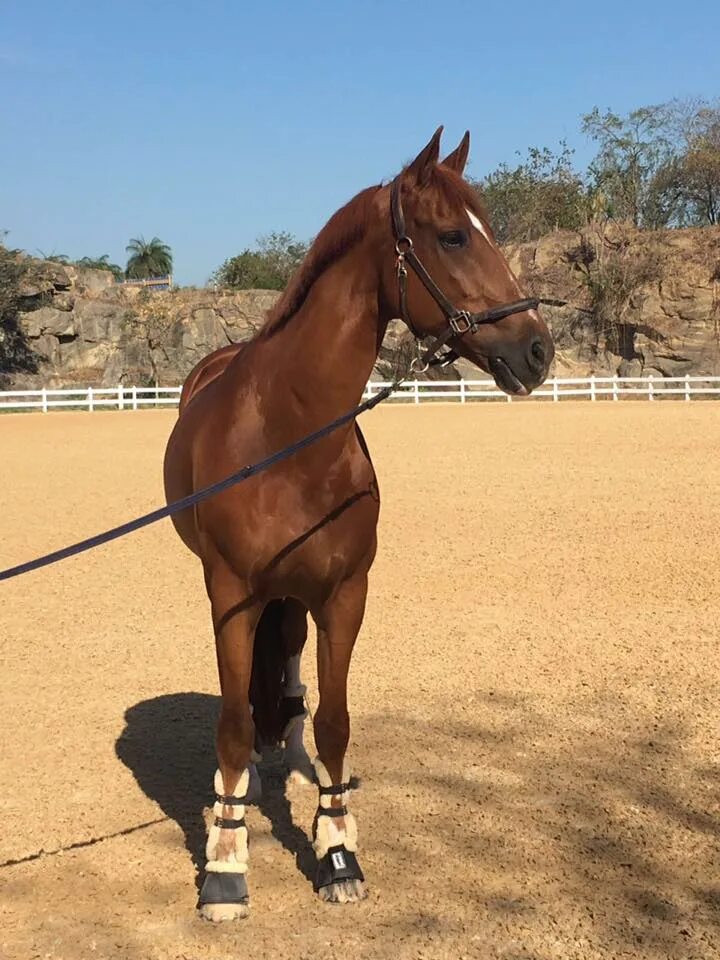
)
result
[(417, 364), (403, 245), (461, 322)]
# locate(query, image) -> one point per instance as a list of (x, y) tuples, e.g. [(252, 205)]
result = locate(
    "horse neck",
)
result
[(325, 354)]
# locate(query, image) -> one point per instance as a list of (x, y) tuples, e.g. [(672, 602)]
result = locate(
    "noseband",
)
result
[(459, 322)]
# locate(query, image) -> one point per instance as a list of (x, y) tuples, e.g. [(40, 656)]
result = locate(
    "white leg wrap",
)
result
[(293, 687), (332, 831), (227, 849), (292, 735), (296, 758)]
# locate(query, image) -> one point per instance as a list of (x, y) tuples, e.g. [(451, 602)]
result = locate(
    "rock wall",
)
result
[(667, 324), (85, 329)]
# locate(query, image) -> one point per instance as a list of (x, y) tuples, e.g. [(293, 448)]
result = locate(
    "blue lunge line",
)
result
[(178, 505)]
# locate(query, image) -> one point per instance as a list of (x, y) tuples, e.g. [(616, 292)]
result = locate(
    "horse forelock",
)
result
[(459, 193), (343, 230)]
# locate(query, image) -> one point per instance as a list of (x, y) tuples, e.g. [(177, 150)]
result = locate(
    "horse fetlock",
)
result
[(224, 894), (339, 878), (335, 826)]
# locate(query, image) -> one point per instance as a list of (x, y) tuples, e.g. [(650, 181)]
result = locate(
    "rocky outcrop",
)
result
[(83, 328), (637, 303)]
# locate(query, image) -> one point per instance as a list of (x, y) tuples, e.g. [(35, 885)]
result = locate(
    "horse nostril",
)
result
[(537, 351)]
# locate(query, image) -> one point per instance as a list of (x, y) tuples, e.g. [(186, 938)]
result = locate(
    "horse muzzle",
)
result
[(518, 370)]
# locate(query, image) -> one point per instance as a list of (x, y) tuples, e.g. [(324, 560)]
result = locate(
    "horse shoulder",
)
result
[(208, 369)]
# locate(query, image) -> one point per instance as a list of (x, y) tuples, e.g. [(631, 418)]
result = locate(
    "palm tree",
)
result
[(55, 257), (151, 258), (101, 263)]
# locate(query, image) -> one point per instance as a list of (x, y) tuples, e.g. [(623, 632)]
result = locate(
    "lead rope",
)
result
[(186, 502)]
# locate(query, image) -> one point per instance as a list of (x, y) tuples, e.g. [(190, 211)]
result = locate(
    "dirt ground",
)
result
[(533, 699)]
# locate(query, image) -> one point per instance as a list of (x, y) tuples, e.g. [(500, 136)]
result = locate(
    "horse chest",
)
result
[(297, 533)]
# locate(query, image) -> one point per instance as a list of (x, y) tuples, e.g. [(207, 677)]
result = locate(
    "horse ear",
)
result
[(421, 167), (458, 158)]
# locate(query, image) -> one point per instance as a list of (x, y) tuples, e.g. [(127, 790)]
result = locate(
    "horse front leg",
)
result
[(339, 877), (224, 893)]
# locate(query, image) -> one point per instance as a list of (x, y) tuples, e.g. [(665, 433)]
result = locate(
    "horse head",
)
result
[(458, 273)]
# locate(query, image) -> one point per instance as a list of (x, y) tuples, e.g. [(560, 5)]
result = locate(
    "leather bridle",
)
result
[(459, 322)]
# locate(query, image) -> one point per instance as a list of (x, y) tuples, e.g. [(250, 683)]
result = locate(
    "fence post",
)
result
[(91, 406), (651, 390), (44, 400), (121, 397), (615, 387), (462, 391), (687, 386), (417, 391), (509, 397), (592, 388), (556, 392), (134, 397)]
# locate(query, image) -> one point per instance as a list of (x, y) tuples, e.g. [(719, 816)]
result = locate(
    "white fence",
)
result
[(414, 391), (90, 398)]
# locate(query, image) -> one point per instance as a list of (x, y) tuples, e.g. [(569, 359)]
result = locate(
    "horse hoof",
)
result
[(339, 877), (344, 891), (220, 912), (224, 896)]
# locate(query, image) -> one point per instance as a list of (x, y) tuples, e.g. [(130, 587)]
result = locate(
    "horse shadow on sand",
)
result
[(605, 833), (168, 744)]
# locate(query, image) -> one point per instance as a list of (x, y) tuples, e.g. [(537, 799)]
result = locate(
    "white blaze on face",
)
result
[(480, 227), (477, 223)]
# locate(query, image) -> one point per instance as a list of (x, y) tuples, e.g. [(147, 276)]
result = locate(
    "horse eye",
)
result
[(454, 239)]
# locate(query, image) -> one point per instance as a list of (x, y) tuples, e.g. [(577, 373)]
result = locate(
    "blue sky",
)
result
[(208, 124)]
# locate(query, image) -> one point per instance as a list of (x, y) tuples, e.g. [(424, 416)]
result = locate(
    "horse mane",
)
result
[(343, 230)]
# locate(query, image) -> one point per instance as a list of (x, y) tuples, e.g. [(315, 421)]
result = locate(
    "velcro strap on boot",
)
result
[(333, 790), (229, 800), (332, 811), (225, 823)]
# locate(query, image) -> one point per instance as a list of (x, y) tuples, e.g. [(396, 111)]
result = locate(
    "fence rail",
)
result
[(414, 391), (162, 283)]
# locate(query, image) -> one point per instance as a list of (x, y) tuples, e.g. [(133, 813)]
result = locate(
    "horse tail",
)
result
[(268, 669)]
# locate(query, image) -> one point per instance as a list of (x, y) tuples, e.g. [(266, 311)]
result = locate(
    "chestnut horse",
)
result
[(301, 537)]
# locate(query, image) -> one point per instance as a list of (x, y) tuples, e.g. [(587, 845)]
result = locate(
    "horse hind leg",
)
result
[(276, 692), (292, 703)]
